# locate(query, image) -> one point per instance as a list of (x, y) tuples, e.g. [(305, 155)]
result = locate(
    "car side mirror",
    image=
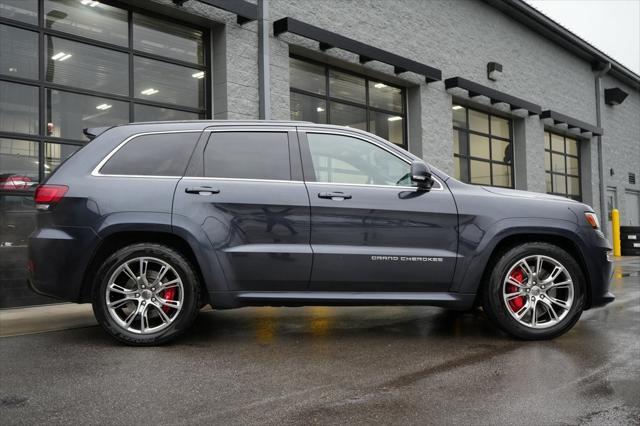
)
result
[(421, 175)]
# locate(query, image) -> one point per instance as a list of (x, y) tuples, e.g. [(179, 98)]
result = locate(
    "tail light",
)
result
[(49, 195)]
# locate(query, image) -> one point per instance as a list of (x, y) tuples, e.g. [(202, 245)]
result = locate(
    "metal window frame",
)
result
[(566, 174), (327, 98), (43, 85), (467, 158)]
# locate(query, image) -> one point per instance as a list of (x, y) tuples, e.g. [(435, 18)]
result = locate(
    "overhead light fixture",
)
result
[(199, 74), (61, 56), (320, 109), (614, 96), (494, 70), (394, 118), (103, 107), (456, 107), (90, 3), (379, 85), (149, 91)]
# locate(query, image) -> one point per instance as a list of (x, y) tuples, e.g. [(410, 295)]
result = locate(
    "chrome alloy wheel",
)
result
[(144, 295), (538, 291)]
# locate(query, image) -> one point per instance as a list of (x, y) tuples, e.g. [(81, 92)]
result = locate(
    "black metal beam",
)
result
[(365, 51), (572, 123), (245, 11), (495, 96)]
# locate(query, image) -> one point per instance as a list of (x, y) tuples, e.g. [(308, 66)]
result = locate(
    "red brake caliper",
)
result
[(517, 302), (168, 294)]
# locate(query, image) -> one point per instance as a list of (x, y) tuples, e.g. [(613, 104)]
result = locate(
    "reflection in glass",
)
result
[(55, 154), (347, 87), (343, 159), (559, 184), (69, 113), (97, 21), (20, 10), (460, 169), (307, 76), (478, 121), (500, 150), (387, 126), (88, 67), (347, 115), (459, 116), (557, 162), (572, 146), (573, 168), (557, 143), (163, 82), (479, 146), (308, 108), (166, 38), (501, 175), (152, 113), (18, 164), (548, 180), (573, 186), (18, 52), (18, 108), (500, 127), (480, 172), (385, 97)]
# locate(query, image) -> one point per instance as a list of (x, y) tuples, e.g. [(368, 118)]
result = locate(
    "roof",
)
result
[(548, 28)]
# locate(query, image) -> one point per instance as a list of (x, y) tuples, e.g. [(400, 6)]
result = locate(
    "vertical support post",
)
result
[(264, 60), (615, 232)]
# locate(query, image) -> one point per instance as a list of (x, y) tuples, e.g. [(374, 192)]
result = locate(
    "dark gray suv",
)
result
[(151, 221)]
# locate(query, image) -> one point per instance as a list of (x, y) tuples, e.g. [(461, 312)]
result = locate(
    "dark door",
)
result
[(248, 198), (371, 230)]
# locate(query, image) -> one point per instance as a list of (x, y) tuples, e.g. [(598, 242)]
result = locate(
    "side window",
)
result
[(247, 155), (343, 159), (163, 154)]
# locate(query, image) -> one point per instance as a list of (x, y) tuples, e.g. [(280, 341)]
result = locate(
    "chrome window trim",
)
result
[(96, 170), (241, 179), (379, 145)]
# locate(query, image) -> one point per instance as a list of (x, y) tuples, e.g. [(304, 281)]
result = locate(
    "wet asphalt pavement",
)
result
[(335, 365)]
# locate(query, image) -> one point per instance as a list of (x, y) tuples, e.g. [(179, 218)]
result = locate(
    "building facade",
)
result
[(491, 92)]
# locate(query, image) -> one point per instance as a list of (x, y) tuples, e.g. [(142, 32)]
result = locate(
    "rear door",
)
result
[(244, 191), (371, 230)]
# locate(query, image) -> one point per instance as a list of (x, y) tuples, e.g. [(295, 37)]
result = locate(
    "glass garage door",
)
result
[(70, 64)]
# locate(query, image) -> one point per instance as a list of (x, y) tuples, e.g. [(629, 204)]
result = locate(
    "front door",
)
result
[(247, 196), (371, 230)]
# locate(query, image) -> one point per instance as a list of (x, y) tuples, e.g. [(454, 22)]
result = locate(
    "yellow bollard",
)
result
[(615, 234)]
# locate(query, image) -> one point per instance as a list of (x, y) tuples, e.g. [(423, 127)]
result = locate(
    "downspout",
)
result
[(598, 78), (264, 62)]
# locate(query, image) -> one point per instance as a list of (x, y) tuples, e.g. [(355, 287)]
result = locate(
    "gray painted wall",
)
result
[(459, 37)]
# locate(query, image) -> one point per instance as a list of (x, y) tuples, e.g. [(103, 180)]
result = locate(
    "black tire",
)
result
[(497, 310), (183, 319)]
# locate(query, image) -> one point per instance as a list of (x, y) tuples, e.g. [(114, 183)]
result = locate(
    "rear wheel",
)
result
[(146, 294), (535, 291)]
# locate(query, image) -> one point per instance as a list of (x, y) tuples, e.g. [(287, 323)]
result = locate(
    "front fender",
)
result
[(477, 246)]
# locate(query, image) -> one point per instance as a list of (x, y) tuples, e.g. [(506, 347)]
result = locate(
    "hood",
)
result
[(527, 194)]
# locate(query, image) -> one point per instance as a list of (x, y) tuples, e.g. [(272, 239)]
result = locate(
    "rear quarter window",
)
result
[(163, 154)]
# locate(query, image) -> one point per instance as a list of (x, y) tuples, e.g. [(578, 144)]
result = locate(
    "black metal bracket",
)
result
[(572, 123), (245, 11), (366, 52), (495, 96)]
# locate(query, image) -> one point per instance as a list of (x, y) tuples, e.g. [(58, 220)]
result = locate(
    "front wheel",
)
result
[(535, 291), (146, 294)]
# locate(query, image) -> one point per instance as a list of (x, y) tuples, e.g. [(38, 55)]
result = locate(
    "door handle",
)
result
[(201, 190), (338, 196)]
